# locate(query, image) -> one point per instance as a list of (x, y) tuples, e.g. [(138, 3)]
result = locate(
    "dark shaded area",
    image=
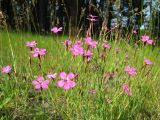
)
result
[(7, 9), (42, 11), (39, 16)]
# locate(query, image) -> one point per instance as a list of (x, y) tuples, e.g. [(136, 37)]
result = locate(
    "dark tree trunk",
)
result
[(43, 15), (7, 9), (73, 11)]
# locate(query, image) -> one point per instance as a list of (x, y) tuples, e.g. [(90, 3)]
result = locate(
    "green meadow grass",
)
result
[(19, 99)]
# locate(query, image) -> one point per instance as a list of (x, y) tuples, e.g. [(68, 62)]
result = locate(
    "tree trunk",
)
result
[(73, 11), (42, 15), (7, 9)]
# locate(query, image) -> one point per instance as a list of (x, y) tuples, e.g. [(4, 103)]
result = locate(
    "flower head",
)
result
[(6, 69), (147, 62), (76, 49), (31, 44), (90, 42), (145, 38), (130, 70), (92, 18), (56, 29), (66, 81), (106, 46), (126, 89), (40, 83), (52, 76), (38, 52)]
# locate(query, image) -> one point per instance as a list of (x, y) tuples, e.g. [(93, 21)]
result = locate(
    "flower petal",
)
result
[(71, 83), (38, 86), (60, 83), (63, 75), (44, 86), (35, 54), (46, 82), (70, 76), (66, 86), (35, 82), (40, 79)]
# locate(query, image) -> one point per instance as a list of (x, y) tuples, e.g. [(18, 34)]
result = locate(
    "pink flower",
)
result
[(147, 62), (126, 89), (38, 52), (76, 49), (40, 83), (89, 42), (67, 43), (66, 81), (6, 69), (31, 44), (56, 29), (87, 54), (52, 76), (106, 46), (92, 18), (131, 71), (145, 38)]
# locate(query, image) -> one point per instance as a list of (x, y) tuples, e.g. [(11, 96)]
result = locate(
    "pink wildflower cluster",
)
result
[(66, 81), (126, 89), (41, 83), (146, 39), (130, 70), (6, 69), (56, 29), (87, 53), (36, 52), (77, 48)]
